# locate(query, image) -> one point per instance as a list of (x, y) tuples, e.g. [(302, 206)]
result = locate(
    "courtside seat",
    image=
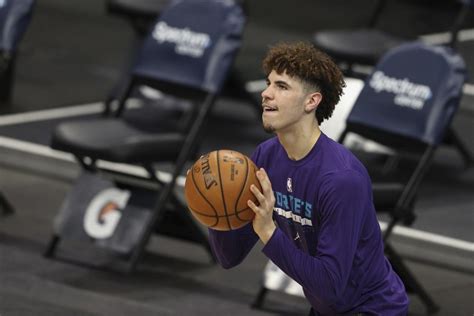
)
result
[(141, 13), (364, 46), (127, 144), (187, 56), (140, 8), (367, 44), (387, 194), (407, 105)]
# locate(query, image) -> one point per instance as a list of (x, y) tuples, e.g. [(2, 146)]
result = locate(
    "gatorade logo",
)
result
[(407, 93), (104, 212), (187, 42)]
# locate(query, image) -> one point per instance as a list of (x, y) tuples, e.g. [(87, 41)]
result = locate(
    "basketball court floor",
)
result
[(70, 59)]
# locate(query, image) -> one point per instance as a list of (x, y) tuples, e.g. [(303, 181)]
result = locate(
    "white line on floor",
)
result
[(56, 113), (45, 151), (33, 148), (430, 237), (49, 114), (445, 37)]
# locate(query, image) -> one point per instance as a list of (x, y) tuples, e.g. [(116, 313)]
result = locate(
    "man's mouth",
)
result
[(267, 108)]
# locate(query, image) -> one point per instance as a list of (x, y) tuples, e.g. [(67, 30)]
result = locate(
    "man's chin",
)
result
[(269, 128)]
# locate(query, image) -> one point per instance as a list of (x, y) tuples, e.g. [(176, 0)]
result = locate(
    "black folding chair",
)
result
[(15, 16), (366, 45), (141, 14), (188, 54), (407, 105)]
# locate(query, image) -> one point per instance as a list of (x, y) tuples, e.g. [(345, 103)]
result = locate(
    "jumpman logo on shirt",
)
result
[(297, 236)]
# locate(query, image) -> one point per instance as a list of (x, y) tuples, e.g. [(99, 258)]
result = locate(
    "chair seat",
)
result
[(364, 46), (143, 9), (115, 140), (386, 195)]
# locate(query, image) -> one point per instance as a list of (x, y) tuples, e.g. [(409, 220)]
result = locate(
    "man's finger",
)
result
[(254, 207), (259, 195), (265, 182)]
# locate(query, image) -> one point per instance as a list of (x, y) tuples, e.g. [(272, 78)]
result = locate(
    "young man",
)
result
[(315, 216)]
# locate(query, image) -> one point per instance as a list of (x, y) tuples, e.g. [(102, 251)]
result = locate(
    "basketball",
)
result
[(217, 189)]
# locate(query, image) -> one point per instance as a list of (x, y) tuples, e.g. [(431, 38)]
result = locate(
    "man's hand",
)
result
[(263, 224)]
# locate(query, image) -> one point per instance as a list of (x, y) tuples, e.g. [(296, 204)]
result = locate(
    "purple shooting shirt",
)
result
[(328, 238)]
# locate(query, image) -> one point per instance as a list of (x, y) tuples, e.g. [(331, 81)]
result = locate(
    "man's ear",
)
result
[(313, 101)]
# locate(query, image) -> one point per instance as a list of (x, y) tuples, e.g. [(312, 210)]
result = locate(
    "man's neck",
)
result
[(298, 143)]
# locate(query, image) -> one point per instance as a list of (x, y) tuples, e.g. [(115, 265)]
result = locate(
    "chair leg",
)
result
[(260, 297), (167, 190), (158, 213), (409, 279), (51, 248), (6, 78), (5, 207), (197, 233), (463, 150)]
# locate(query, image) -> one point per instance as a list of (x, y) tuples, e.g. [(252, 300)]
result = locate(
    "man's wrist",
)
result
[(267, 234)]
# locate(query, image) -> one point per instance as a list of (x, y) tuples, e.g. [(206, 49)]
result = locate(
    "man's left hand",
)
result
[(263, 224)]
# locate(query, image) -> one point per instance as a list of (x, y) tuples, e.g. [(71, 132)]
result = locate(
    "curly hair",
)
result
[(312, 66)]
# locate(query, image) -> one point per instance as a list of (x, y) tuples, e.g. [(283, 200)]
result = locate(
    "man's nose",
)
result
[(266, 94)]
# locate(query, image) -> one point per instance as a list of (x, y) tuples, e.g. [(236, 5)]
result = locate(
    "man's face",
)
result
[(283, 102)]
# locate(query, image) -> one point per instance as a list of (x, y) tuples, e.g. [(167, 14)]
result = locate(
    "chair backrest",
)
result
[(469, 3), (15, 16), (193, 44), (411, 97), (377, 10)]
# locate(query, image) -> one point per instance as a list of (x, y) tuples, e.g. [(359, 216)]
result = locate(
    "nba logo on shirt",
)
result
[(289, 185)]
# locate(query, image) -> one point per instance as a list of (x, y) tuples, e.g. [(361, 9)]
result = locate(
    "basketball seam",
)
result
[(206, 215), (242, 189), (222, 189), (244, 209), (219, 216), (205, 199)]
